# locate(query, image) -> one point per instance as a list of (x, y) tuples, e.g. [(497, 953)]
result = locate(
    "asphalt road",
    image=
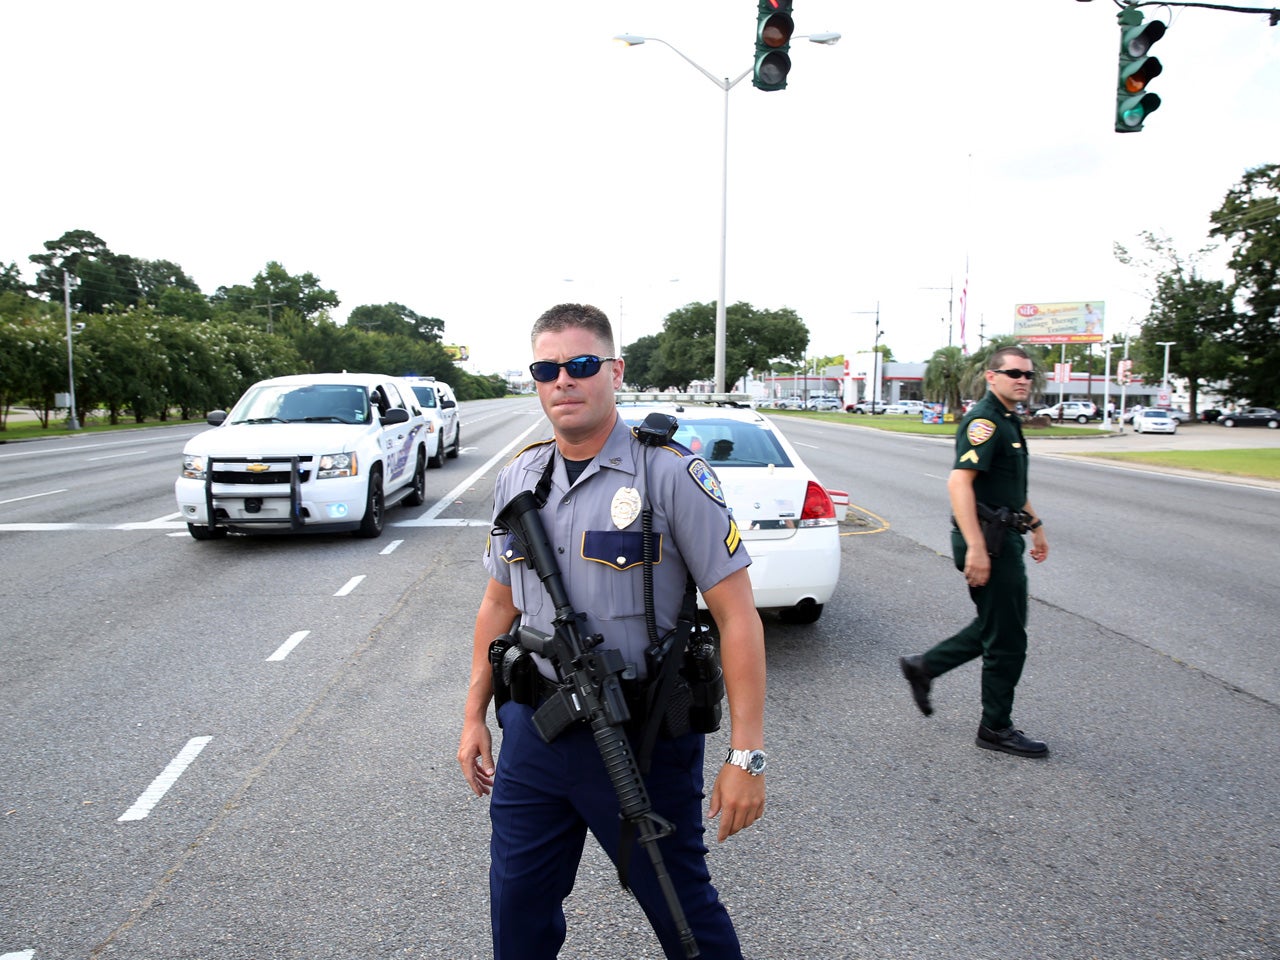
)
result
[(324, 816)]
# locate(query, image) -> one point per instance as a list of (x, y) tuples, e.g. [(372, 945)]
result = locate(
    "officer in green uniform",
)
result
[(989, 480)]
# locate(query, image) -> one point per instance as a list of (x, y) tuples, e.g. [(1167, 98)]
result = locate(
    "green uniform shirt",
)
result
[(990, 441)]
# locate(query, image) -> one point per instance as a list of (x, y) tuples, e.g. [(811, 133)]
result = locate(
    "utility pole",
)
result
[(951, 293), (72, 422), (269, 304)]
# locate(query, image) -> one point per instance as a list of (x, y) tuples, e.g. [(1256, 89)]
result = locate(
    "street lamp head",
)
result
[(827, 38), (630, 39)]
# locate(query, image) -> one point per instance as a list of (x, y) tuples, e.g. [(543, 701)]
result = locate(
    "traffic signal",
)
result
[(1133, 103), (774, 27)]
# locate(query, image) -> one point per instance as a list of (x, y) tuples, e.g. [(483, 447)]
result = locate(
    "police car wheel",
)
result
[(374, 507), (418, 493), (437, 458), (199, 532), (457, 443)]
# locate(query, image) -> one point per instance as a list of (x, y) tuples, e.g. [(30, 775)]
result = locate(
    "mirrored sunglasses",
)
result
[(1017, 374), (547, 371)]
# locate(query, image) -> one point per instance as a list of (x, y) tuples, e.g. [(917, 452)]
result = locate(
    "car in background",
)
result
[(1182, 416), (1082, 411), (789, 403), (908, 407), (321, 452), (823, 402), (444, 425), (784, 514), (866, 406), (1210, 415), (1154, 420), (1251, 417)]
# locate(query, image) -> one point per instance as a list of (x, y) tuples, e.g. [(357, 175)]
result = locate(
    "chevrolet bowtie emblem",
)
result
[(257, 468)]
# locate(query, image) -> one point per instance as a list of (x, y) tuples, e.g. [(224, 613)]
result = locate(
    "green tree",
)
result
[(944, 376), (644, 359), (1196, 317), (1250, 218), (275, 290), (11, 279), (753, 338), (396, 318)]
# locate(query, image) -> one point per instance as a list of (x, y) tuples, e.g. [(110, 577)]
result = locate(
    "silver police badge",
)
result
[(625, 507)]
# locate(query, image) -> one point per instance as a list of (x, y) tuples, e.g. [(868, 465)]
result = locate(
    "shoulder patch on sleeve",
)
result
[(970, 457), (706, 481), (980, 431)]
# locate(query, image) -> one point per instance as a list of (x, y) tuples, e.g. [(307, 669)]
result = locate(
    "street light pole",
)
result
[(1106, 388), (1164, 380), (875, 355), (634, 40)]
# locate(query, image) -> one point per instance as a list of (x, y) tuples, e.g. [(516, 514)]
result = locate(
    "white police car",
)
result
[(444, 425), (308, 453), (785, 516)]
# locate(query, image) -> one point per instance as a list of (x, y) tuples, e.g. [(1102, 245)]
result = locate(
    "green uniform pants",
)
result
[(998, 633)]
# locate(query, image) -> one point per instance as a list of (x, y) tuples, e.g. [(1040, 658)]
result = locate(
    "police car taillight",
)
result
[(818, 511)]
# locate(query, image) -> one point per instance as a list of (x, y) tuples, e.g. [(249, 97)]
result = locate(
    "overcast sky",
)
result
[(479, 161)]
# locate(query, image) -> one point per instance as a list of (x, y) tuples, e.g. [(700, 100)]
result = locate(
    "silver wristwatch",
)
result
[(752, 761)]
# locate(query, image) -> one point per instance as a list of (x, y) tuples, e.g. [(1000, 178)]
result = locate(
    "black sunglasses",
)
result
[(1017, 374), (547, 371)]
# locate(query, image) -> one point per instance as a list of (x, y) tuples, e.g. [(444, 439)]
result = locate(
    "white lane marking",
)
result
[(447, 500), (43, 447), (115, 456), (285, 648), (33, 496), (390, 547), (161, 784), (20, 955), (349, 586)]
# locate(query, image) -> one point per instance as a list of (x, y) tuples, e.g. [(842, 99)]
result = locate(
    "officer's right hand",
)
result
[(475, 755), (977, 566)]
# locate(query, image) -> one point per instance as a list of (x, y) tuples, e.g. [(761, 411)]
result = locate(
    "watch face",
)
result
[(756, 762)]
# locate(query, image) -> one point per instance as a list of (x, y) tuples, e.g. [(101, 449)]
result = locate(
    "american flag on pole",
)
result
[(964, 302)]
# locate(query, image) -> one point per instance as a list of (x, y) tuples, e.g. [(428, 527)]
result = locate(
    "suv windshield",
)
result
[(426, 394), (313, 403)]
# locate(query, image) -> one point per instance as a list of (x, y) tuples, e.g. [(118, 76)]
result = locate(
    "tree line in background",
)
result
[(146, 341), (152, 342)]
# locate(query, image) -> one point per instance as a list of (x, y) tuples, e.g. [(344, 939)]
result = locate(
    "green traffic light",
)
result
[(1136, 70)]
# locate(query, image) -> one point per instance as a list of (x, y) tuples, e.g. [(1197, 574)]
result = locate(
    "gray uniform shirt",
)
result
[(595, 531)]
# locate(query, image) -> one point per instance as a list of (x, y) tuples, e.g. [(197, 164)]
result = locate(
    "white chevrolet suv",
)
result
[(308, 453), (444, 426)]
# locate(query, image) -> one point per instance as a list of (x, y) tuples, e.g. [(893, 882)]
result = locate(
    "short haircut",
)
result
[(998, 358), (570, 316)]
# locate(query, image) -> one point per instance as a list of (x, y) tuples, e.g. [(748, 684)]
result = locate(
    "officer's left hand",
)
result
[(1039, 545), (737, 799)]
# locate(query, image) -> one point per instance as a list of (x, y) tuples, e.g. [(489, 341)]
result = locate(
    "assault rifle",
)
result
[(592, 691)]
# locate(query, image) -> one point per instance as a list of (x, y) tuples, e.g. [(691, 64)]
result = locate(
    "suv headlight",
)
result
[(336, 465), (193, 466)]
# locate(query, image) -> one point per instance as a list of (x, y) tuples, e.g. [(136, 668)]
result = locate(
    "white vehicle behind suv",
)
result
[(319, 452), (444, 426)]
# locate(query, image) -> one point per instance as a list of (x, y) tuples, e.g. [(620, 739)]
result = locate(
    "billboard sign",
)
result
[(1059, 322)]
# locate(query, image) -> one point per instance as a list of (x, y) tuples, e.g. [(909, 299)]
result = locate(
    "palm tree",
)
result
[(944, 375)]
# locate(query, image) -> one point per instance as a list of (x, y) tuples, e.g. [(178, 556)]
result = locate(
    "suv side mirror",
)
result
[(216, 417), (393, 416), (447, 404)]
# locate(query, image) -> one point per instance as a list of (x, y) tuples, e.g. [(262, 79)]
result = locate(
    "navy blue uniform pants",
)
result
[(998, 633), (546, 797)]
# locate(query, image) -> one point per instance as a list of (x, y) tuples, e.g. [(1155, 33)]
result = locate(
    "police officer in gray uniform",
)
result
[(596, 477)]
